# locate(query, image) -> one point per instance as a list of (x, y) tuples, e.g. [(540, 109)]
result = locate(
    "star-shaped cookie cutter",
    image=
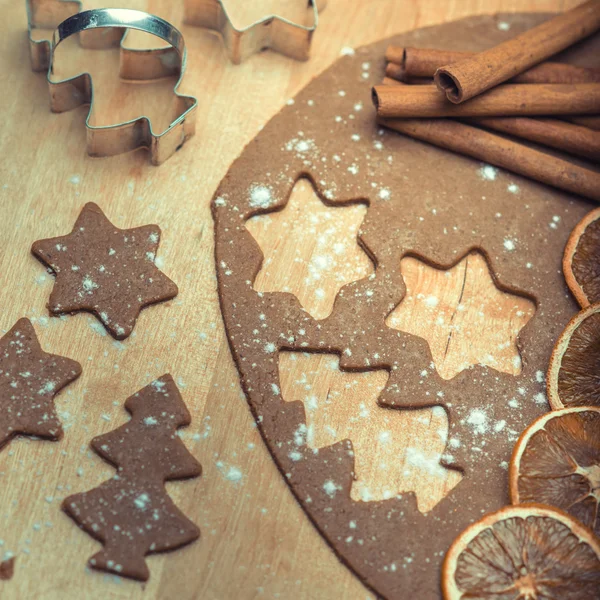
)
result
[(135, 65), (276, 33)]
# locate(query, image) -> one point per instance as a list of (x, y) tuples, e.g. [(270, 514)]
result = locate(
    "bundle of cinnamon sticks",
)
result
[(459, 100)]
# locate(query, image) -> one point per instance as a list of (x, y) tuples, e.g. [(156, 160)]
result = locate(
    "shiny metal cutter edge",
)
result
[(46, 14), (135, 65), (276, 33)]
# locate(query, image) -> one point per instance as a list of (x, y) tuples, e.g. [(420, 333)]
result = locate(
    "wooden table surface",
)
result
[(256, 541)]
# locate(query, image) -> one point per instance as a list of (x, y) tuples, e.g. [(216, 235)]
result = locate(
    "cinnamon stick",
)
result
[(501, 152), (395, 54), (510, 99), (394, 71), (471, 76), (397, 72), (589, 122), (567, 137), (424, 62)]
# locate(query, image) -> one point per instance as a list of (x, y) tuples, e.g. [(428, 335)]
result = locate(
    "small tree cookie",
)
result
[(132, 514)]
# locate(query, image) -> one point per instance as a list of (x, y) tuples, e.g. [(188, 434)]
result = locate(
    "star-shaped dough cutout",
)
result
[(29, 380), (464, 316), (105, 270), (311, 248)]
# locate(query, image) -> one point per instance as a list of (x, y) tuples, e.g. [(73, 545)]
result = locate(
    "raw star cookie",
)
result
[(105, 270), (132, 514), (426, 203), (29, 380)]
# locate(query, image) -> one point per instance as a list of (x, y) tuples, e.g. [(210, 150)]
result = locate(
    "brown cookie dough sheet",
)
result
[(423, 202)]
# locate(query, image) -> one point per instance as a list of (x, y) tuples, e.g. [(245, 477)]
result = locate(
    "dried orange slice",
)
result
[(556, 461), (574, 371), (525, 552), (581, 261)]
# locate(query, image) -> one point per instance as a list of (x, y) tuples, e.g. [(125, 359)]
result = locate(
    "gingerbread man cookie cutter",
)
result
[(275, 33), (46, 14), (107, 28)]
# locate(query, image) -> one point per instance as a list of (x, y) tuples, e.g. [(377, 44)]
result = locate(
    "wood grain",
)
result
[(256, 541), (310, 249), (470, 321), (394, 451)]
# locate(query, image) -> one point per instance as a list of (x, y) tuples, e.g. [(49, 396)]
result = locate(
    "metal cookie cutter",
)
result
[(135, 65), (278, 34), (46, 14)]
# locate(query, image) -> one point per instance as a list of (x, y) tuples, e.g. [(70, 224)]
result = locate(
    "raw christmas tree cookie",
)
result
[(132, 514), (105, 270), (29, 380)]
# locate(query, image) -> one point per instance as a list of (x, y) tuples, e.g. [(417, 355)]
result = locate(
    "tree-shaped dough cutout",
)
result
[(395, 451), (132, 514), (466, 319), (310, 249)]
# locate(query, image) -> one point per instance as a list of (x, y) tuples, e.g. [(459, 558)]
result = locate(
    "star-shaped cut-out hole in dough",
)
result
[(105, 270), (395, 451), (466, 319), (310, 249), (29, 380)]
